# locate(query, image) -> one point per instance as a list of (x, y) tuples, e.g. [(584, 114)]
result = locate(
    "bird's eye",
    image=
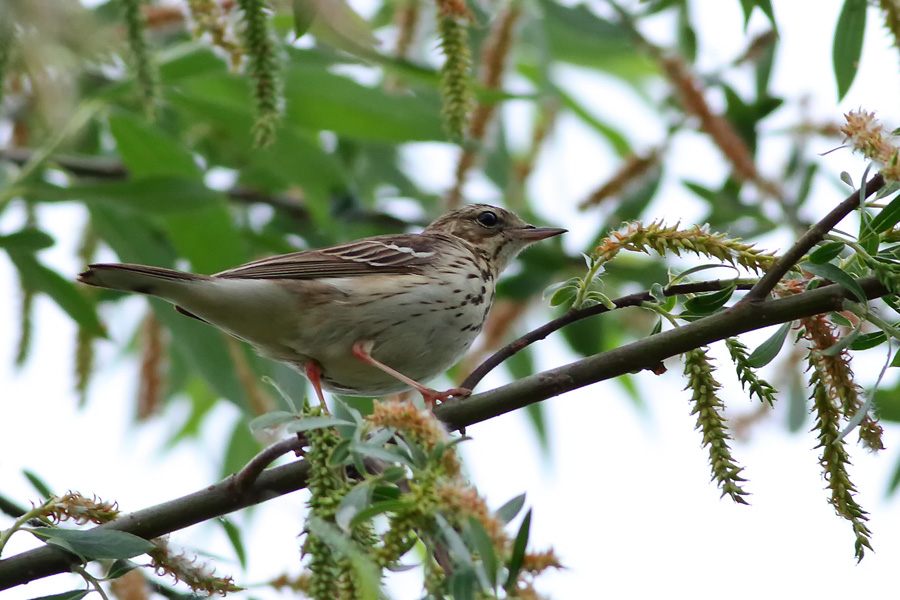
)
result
[(487, 218)]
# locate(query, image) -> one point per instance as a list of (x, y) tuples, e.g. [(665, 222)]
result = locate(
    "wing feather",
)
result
[(387, 254)]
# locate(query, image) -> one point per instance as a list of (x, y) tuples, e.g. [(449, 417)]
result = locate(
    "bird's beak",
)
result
[(536, 234)]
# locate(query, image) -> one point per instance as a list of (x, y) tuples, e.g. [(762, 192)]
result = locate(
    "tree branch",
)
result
[(152, 522), (573, 316), (647, 352), (223, 497), (809, 239)]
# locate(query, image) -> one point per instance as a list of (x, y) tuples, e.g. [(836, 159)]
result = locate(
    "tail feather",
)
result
[(135, 278)]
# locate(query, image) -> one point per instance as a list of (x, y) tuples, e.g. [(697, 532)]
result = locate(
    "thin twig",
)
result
[(246, 477), (648, 352), (576, 315), (809, 239)]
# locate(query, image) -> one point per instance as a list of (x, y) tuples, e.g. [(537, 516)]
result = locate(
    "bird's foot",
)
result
[(432, 397)]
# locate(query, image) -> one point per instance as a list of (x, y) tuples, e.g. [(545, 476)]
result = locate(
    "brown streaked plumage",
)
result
[(369, 317)]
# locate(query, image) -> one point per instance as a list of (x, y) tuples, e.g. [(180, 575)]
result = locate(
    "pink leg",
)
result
[(363, 351), (315, 378)]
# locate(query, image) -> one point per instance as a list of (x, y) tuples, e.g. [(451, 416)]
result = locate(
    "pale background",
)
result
[(624, 496)]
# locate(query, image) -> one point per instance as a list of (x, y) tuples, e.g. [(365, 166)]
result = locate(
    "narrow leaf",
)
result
[(826, 252), (839, 346), (70, 595), (508, 511), (28, 239), (272, 419), (837, 275), (121, 567), (38, 484), (96, 543), (707, 303), (355, 501), (310, 423), (518, 553), (848, 41), (482, 544), (234, 536), (868, 340), (888, 217), (378, 508), (769, 349), (63, 292)]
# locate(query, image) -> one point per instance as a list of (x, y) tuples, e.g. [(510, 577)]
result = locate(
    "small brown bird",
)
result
[(367, 318)]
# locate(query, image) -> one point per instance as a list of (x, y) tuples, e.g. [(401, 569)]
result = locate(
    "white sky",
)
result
[(625, 497)]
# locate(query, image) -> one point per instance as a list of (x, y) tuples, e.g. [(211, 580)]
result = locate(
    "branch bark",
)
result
[(809, 239), (224, 497), (208, 503)]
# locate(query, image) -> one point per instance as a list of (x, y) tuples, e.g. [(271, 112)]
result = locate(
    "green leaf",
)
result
[(577, 35), (868, 340), (153, 195), (147, 151), (121, 567), (482, 544), (310, 423), (272, 419), (95, 543), (339, 454), (683, 275), (304, 15), (848, 40), (455, 543), (508, 511), (70, 595), (837, 275), (62, 291), (887, 404), (608, 131), (518, 553), (234, 536), (392, 455), (463, 584), (707, 303), (563, 295), (888, 217), (378, 508), (765, 5), (826, 252), (357, 499), (38, 484), (217, 247), (29, 239), (839, 346), (381, 493), (769, 349)]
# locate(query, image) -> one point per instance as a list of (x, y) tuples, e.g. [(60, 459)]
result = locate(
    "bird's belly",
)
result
[(419, 329)]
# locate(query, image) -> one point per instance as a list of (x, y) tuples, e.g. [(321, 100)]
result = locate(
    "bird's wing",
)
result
[(387, 254)]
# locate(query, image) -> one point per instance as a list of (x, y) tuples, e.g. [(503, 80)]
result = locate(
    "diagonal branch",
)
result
[(573, 316), (224, 498), (648, 352), (809, 239)]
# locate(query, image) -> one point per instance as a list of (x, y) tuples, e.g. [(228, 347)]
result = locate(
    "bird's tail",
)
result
[(154, 281)]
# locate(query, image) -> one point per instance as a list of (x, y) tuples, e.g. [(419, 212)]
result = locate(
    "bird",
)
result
[(371, 317)]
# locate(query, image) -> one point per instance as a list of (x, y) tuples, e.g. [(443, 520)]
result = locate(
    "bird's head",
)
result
[(497, 231)]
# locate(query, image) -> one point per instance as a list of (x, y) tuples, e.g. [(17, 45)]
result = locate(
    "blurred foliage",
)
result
[(204, 134)]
